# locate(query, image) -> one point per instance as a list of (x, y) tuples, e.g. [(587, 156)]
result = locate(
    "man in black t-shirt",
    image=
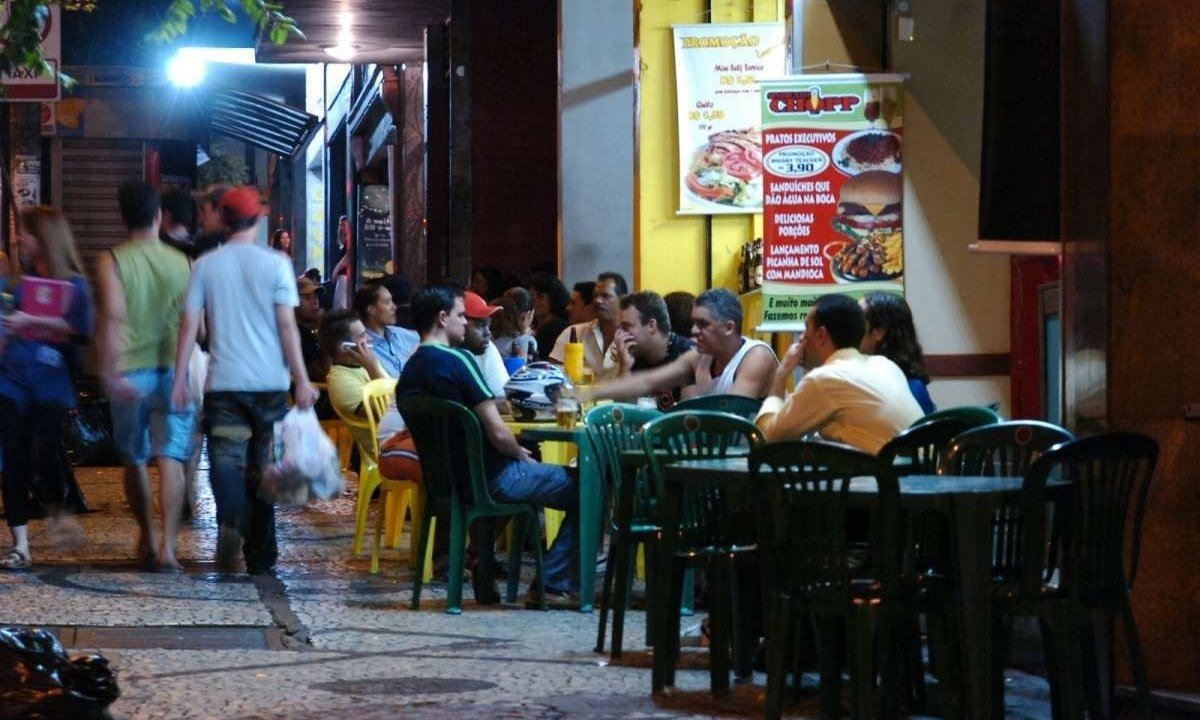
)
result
[(442, 369), (644, 341)]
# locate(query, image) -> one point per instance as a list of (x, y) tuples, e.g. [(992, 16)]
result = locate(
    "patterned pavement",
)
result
[(326, 636)]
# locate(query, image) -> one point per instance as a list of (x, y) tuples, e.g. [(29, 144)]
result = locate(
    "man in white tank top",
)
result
[(723, 363)]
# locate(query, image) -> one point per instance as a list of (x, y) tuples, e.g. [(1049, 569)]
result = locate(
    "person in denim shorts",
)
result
[(142, 285)]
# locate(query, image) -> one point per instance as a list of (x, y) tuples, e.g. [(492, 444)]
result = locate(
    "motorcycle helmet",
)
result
[(534, 390)]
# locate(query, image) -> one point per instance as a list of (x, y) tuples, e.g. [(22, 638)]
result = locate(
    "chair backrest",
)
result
[(615, 428), (702, 515), (377, 398), (746, 407), (1003, 449), (921, 447), (976, 415), (802, 488), (1097, 551), (450, 447)]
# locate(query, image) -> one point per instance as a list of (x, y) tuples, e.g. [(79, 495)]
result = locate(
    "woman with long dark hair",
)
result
[(892, 334), (37, 357), (281, 240)]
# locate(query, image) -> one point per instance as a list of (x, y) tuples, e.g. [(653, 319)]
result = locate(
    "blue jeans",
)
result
[(241, 428), (549, 486)]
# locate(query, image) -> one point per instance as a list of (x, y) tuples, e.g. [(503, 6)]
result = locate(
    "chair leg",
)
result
[(362, 508), (379, 525), (780, 618), (943, 641), (831, 669), (688, 600), (404, 500), (1001, 640), (1136, 660), (606, 592), (720, 621), (1051, 661), (622, 552), (1070, 684), (520, 525), (458, 541), (915, 663), (666, 620), (861, 631), (539, 567), (424, 543), (743, 622)]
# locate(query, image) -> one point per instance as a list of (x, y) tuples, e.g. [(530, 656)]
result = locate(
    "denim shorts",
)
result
[(148, 427)]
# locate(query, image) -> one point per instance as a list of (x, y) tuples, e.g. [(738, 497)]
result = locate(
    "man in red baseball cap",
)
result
[(249, 296), (479, 341)]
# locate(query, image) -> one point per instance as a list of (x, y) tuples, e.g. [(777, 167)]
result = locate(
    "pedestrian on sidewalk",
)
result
[(37, 360), (142, 284), (248, 295)]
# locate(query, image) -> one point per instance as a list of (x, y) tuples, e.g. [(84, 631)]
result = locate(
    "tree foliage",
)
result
[(20, 35)]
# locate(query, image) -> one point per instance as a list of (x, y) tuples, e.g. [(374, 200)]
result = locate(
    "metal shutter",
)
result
[(92, 170)]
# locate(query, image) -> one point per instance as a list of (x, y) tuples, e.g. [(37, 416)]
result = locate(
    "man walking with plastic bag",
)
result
[(248, 295)]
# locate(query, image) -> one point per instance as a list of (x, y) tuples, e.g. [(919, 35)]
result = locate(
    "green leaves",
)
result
[(20, 37), (265, 14)]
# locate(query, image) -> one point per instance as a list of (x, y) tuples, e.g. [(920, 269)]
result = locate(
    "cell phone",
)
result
[(347, 345)]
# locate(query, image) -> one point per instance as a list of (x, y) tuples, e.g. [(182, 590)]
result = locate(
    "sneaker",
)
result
[(229, 549), (555, 599)]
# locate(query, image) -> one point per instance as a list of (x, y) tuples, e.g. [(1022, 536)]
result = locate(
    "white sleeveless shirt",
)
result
[(724, 384)]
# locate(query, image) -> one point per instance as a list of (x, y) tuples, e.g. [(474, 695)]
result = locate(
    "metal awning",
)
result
[(261, 122)]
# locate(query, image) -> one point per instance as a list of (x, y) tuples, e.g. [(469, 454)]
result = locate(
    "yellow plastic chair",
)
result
[(396, 496), (368, 468)]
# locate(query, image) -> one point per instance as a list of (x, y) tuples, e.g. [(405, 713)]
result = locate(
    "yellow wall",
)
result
[(670, 251)]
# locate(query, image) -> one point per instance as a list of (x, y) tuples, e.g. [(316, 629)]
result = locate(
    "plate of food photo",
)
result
[(868, 150), (726, 171)]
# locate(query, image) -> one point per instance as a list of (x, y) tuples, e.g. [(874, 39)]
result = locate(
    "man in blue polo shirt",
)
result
[(442, 369)]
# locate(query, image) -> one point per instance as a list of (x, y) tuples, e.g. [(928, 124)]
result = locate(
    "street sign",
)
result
[(24, 84)]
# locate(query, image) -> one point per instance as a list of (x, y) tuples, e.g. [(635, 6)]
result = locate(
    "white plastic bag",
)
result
[(197, 374), (306, 462)]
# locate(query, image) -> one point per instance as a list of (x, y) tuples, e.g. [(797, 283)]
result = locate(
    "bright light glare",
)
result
[(344, 53), (189, 66), (185, 72)]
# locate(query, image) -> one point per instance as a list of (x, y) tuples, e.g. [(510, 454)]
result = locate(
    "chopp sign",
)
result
[(810, 101), (23, 84)]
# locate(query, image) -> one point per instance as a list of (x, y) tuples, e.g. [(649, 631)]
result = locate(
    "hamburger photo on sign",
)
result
[(869, 215)]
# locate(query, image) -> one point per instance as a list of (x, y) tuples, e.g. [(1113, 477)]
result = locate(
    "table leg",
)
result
[(973, 547), (591, 499)]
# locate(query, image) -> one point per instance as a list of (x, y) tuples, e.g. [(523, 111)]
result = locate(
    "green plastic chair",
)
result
[(1003, 449), (443, 431), (801, 490), (1093, 545), (746, 407), (920, 448), (613, 429), (703, 522), (976, 415)]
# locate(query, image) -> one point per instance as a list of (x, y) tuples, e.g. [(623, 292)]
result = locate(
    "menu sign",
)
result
[(374, 231), (717, 71), (833, 201)]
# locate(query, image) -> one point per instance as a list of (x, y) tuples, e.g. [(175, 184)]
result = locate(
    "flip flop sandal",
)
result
[(15, 560)]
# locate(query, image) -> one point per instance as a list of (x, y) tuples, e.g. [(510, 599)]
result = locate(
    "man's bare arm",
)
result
[(647, 382), (755, 374)]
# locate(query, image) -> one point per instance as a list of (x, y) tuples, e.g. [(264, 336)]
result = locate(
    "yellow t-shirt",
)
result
[(345, 393)]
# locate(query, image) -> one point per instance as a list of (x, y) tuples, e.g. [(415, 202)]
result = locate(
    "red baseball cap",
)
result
[(243, 201), (477, 307)]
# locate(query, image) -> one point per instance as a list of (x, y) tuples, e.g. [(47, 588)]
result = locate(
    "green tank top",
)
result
[(154, 277)]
